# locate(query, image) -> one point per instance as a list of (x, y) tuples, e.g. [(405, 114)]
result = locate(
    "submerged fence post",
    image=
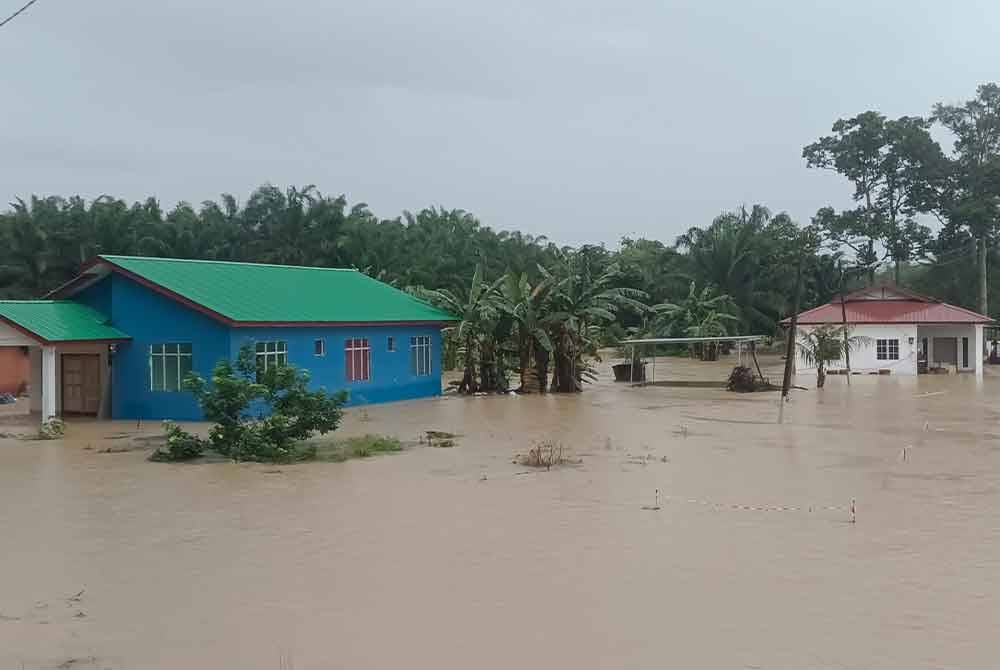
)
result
[(631, 368), (854, 512)]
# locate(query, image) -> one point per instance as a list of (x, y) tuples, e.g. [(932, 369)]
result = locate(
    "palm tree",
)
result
[(26, 240), (826, 344), (525, 304), (735, 254)]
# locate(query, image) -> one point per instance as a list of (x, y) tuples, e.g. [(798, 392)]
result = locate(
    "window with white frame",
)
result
[(271, 355), (357, 359), (887, 350), (390, 344), (319, 347), (420, 355), (168, 365)]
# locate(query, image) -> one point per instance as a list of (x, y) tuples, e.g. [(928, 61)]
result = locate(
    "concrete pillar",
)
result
[(49, 390), (977, 349)]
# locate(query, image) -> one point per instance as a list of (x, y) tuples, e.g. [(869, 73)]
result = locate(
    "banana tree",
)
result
[(525, 304), (582, 302), (478, 312), (701, 314)]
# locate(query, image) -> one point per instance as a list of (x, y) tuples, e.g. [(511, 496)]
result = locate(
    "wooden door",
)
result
[(81, 383)]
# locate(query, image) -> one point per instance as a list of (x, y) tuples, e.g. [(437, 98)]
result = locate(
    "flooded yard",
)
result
[(461, 558)]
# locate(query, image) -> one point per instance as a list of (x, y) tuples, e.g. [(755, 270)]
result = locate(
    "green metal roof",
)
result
[(252, 292), (59, 320)]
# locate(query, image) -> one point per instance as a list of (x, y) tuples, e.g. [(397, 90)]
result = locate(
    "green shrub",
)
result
[(181, 445), (289, 411)]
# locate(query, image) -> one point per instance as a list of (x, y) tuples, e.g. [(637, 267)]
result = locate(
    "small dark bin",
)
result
[(623, 372)]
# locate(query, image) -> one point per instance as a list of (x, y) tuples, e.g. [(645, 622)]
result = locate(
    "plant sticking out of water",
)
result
[(352, 447), (52, 429), (180, 445), (546, 454), (440, 439)]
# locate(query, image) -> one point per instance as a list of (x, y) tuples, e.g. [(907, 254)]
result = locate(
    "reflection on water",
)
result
[(416, 560)]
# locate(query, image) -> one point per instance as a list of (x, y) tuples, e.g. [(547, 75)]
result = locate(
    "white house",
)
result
[(906, 332)]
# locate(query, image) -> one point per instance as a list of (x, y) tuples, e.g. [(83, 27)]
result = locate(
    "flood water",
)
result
[(459, 558)]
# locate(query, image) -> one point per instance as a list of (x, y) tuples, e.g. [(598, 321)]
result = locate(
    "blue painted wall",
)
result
[(391, 376), (151, 318)]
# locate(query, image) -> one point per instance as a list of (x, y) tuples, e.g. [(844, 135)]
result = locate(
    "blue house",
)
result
[(117, 340)]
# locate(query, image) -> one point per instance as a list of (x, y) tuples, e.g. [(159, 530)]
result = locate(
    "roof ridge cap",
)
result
[(210, 261)]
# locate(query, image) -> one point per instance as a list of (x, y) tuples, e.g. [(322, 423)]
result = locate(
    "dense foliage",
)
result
[(902, 178), (258, 415), (530, 307)]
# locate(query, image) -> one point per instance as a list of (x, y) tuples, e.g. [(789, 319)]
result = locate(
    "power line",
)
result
[(15, 14)]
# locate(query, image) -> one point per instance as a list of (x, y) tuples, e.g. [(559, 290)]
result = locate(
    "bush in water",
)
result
[(289, 412), (181, 445)]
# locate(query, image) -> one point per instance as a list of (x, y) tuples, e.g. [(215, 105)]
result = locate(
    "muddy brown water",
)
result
[(416, 560)]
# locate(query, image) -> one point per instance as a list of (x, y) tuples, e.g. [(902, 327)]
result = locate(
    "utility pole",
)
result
[(843, 324), (790, 345)]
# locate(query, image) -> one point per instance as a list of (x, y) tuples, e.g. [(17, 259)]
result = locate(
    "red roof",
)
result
[(890, 305)]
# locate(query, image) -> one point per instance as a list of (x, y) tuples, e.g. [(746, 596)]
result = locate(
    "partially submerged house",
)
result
[(906, 332), (118, 340)]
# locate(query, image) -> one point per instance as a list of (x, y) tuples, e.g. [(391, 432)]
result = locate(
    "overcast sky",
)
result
[(584, 120)]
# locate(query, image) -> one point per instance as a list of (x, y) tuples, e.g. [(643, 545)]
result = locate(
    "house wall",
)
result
[(391, 376), (864, 357), (14, 369), (12, 348), (151, 318)]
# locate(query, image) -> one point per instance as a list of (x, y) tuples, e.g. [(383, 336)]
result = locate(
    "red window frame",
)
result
[(357, 359)]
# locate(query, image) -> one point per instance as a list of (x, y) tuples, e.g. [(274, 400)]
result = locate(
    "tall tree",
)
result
[(971, 197), (889, 162), (740, 255)]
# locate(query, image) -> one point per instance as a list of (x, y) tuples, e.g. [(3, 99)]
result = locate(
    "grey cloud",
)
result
[(582, 120)]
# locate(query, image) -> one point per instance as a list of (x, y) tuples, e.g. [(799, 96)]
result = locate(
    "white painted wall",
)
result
[(11, 337), (863, 358)]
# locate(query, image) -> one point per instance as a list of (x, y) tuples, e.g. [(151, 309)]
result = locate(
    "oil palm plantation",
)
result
[(737, 254)]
